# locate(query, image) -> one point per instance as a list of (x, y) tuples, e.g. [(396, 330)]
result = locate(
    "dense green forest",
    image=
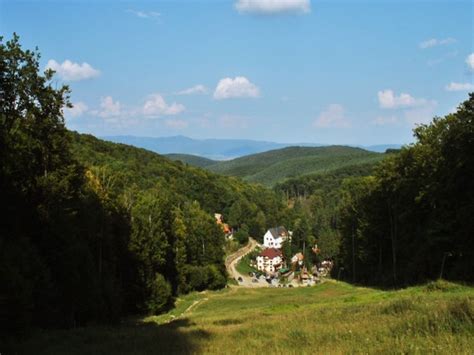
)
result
[(316, 201), (412, 220), (275, 166), (193, 160), (92, 230)]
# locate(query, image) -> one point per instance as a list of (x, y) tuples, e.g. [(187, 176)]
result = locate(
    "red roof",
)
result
[(271, 253)]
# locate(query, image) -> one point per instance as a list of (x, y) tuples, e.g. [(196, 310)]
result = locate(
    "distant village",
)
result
[(267, 262)]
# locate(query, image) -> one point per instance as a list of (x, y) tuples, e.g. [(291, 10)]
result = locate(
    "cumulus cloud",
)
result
[(470, 61), (109, 107), (388, 99), (156, 106), (176, 124), (433, 42), (71, 71), (145, 14), (270, 7), (195, 90), (459, 87), (233, 88), (333, 116), (77, 109)]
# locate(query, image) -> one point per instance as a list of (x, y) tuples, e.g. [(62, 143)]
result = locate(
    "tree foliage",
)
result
[(92, 230), (411, 221)]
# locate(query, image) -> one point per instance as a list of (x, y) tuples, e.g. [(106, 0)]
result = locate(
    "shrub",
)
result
[(242, 235), (161, 298)]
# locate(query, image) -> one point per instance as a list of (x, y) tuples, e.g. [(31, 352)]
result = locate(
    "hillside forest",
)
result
[(92, 231)]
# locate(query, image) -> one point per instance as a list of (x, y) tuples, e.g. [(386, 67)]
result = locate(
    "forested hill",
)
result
[(91, 230), (128, 168), (193, 160), (274, 166)]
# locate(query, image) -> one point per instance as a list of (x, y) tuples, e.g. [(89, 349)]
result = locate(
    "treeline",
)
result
[(90, 230), (315, 214), (412, 220)]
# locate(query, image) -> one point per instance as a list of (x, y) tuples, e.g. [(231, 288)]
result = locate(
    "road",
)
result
[(232, 261)]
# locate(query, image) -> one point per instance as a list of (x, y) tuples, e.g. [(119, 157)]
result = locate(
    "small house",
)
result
[(269, 260), (275, 237)]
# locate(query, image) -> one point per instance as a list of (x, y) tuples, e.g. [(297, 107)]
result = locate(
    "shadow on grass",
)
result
[(177, 337)]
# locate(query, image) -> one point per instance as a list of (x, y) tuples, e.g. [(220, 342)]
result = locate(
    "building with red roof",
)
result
[(270, 260)]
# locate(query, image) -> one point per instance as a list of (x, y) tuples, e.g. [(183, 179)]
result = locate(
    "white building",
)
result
[(274, 237), (269, 260)]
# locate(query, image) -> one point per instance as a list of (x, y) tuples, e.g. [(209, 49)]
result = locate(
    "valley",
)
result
[(108, 247)]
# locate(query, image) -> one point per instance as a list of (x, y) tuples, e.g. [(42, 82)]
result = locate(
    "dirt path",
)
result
[(232, 261)]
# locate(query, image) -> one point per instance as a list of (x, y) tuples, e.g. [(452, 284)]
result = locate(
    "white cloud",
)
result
[(71, 71), (459, 87), (333, 116), (470, 61), (77, 109), (238, 87), (109, 108), (176, 124), (385, 120), (388, 99), (145, 14), (269, 7), (156, 106), (433, 42), (196, 89)]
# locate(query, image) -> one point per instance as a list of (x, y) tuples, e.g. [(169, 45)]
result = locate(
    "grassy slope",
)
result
[(274, 166), (329, 318), (193, 160)]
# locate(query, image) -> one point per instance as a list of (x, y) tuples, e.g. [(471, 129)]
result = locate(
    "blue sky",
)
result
[(345, 72)]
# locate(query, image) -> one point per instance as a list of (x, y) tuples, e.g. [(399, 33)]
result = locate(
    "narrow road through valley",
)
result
[(232, 261)]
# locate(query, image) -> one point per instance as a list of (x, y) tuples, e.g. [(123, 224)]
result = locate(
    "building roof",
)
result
[(278, 231), (271, 253), (299, 256)]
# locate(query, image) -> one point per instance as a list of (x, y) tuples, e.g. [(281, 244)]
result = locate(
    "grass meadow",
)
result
[(330, 318)]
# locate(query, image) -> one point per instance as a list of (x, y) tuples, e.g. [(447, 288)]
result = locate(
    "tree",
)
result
[(242, 235), (161, 296)]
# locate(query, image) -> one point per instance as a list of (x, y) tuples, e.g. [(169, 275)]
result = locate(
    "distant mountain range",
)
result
[(216, 149)]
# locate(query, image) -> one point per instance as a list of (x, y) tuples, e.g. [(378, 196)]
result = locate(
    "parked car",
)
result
[(251, 274), (254, 280), (290, 285), (240, 279)]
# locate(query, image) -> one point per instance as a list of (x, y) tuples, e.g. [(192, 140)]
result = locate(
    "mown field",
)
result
[(333, 318)]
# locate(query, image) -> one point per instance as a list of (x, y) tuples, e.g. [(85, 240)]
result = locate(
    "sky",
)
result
[(329, 72)]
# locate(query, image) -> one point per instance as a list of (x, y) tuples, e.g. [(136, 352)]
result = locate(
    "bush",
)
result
[(216, 279), (199, 278), (161, 298), (242, 235)]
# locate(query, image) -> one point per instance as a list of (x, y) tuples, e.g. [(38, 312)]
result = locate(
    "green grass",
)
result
[(243, 266), (331, 318)]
